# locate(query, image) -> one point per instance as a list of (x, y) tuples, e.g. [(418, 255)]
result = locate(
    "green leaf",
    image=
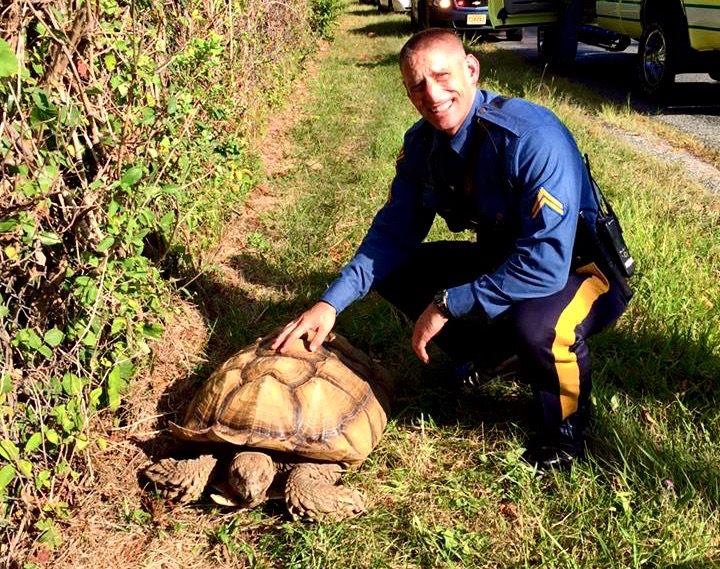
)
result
[(5, 383), (7, 473), (116, 383), (81, 442), (72, 384), (94, 399), (131, 176), (47, 177), (126, 368), (105, 244), (42, 480), (8, 224), (8, 61), (9, 450), (25, 467), (50, 535), (29, 338), (152, 331), (33, 442), (113, 208), (52, 437), (148, 115), (45, 351), (89, 339), (53, 337), (48, 238), (110, 61), (118, 324)]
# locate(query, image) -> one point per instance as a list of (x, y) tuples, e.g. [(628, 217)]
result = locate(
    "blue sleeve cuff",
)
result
[(463, 304), (339, 295)]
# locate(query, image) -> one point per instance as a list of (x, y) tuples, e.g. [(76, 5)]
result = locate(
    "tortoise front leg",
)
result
[(181, 480), (311, 492)]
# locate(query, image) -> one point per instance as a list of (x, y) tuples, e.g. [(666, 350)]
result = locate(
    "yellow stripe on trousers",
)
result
[(575, 312)]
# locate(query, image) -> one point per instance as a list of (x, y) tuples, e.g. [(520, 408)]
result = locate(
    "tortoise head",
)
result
[(250, 475)]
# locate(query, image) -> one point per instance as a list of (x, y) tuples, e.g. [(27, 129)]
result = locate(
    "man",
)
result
[(529, 285)]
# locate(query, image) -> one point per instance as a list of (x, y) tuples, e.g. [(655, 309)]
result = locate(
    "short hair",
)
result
[(426, 38)]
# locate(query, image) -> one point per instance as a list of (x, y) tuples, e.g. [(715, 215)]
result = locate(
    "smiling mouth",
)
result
[(442, 107)]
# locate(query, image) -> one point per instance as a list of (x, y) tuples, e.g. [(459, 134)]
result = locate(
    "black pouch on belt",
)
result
[(609, 235)]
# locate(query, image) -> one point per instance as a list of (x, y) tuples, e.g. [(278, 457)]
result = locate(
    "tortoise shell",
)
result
[(331, 404)]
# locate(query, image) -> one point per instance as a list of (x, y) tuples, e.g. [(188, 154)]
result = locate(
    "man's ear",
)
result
[(473, 66)]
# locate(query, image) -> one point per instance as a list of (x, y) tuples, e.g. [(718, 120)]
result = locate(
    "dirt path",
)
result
[(701, 171)]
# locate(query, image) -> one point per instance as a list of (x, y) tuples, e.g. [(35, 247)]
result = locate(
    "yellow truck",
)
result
[(674, 36)]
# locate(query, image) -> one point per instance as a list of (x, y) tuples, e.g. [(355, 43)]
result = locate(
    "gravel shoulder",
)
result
[(703, 172)]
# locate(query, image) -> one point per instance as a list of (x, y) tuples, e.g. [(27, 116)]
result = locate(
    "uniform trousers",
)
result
[(548, 334)]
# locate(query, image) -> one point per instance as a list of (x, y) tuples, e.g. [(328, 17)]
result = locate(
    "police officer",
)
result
[(511, 171)]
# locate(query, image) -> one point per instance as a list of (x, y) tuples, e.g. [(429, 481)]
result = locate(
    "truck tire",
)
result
[(414, 23), (514, 35), (658, 54), (557, 44), (424, 20)]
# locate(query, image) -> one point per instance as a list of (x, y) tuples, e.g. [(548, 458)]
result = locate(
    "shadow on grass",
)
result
[(676, 366), (390, 60), (387, 28), (369, 10)]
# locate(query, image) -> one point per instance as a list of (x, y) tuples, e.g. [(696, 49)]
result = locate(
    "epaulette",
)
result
[(493, 112)]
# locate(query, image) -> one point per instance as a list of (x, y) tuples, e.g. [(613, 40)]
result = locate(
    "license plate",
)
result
[(476, 19)]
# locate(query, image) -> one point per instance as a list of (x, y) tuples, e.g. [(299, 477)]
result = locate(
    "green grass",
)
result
[(445, 485)]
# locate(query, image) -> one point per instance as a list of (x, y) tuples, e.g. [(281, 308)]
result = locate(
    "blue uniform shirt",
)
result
[(513, 173)]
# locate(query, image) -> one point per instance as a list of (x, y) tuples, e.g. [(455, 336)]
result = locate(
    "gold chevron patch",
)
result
[(545, 198), (401, 155)]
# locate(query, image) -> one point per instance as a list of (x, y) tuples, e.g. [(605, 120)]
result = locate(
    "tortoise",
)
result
[(293, 423)]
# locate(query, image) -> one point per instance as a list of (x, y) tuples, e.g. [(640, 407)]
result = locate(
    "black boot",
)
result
[(555, 455), (470, 377), (561, 449)]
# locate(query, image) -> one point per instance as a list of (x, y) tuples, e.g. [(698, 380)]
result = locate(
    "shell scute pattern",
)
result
[(310, 403)]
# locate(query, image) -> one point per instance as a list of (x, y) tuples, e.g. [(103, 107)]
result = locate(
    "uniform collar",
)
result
[(460, 142)]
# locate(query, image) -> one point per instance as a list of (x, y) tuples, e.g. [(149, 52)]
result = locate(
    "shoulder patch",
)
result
[(545, 198)]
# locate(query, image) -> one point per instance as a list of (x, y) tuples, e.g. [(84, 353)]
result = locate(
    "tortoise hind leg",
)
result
[(181, 480), (311, 492)]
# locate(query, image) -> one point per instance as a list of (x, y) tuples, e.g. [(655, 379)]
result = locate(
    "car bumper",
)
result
[(463, 20)]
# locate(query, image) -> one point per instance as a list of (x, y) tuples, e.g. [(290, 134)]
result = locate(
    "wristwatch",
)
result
[(440, 300)]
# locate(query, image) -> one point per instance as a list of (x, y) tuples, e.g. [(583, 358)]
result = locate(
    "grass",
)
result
[(445, 486)]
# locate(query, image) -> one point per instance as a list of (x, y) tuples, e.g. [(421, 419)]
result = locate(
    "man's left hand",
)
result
[(429, 324)]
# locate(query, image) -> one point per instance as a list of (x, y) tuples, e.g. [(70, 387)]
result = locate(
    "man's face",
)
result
[(440, 81)]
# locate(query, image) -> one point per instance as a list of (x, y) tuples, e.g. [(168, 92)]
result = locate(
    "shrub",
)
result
[(123, 151), (323, 17)]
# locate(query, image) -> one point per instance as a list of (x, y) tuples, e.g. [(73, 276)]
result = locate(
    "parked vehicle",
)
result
[(461, 15), (393, 5), (675, 36)]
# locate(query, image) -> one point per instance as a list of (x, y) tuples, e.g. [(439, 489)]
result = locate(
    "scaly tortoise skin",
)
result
[(326, 410)]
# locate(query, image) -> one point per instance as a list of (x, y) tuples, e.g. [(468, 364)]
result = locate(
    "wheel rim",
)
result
[(655, 58)]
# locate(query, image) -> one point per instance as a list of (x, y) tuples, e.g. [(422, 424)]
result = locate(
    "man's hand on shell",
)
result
[(318, 321)]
